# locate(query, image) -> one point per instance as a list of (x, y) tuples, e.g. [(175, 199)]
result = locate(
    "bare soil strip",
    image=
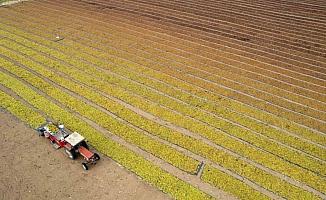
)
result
[(28, 172), (183, 63)]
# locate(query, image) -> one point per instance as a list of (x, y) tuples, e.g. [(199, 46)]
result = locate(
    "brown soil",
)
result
[(32, 169), (174, 45)]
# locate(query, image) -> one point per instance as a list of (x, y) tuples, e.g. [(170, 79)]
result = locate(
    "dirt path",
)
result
[(32, 169)]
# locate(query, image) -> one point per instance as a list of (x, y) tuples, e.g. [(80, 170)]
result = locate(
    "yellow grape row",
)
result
[(253, 173), (197, 69), (119, 28), (187, 142), (118, 128), (212, 176), (299, 117), (191, 144), (286, 113), (283, 167), (248, 122), (219, 122), (174, 54), (231, 115), (154, 175), (21, 111), (310, 164)]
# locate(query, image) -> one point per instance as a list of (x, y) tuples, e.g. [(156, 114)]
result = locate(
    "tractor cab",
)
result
[(73, 143), (76, 144)]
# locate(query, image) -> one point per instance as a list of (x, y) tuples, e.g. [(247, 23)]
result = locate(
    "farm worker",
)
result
[(46, 132), (61, 127)]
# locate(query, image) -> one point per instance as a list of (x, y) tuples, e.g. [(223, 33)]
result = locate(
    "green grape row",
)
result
[(269, 118)]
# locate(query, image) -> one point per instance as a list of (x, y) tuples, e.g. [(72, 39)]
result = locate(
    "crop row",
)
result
[(174, 54), (263, 178), (219, 6), (216, 114), (99, 15), (194, 23), (273, 103), (215, 75), (118, 128), (212, 176), (281, 10), (145, 169), (211, 44), (297, 99), (263, 68), (286, 13), (126, 72), (174, 72), (237, 132), (284, 125), (212, 27), (209, 14), (104, 87), (114, 107), (197, 66), (24, 113), (152, 6), (212, 107), (201, 32)]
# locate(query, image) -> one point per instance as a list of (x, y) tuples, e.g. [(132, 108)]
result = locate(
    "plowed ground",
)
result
[(201, 99)]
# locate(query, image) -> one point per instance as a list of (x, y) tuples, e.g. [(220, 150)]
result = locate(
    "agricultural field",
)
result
[(199, 99)]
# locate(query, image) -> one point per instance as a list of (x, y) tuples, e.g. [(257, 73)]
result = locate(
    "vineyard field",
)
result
[(199, 99)]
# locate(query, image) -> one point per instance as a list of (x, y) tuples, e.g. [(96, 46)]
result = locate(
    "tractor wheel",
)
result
[(41, 133), (97, 157), (71, 154), (85, 167)]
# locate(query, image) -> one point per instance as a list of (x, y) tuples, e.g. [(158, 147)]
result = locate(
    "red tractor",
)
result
[(73, 143)]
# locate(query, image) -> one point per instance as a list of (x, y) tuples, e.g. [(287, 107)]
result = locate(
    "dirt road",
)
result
[(31, 169)]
